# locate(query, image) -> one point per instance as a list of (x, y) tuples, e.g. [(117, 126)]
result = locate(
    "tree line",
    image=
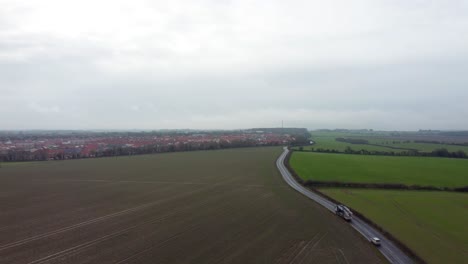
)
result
[(353, 140), (439, 142)]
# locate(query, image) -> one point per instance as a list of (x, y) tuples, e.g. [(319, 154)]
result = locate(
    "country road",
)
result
[(387, 248)]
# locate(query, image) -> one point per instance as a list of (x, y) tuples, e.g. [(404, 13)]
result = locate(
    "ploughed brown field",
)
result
[(226, 206)]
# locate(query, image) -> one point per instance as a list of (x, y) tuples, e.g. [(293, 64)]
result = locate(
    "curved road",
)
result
[(388, 249)]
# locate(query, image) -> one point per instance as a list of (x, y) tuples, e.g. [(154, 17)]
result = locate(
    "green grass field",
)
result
[(433, 224), (330, 143), (439, 172), (326, 140)]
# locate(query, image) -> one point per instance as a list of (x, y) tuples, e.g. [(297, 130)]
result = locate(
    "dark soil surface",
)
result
[(227, 206)]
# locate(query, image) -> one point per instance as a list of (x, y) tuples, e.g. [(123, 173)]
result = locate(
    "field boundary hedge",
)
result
[(389, 186), (395, 240)]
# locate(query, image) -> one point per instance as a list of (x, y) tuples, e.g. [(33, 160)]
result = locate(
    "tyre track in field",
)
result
[(226, 209), (245, 233), (94, 207), (162, 243), (41, 197), (309, 250), (80, 247), (102, 218)]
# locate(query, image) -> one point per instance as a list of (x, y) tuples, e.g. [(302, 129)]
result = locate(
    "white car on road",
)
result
[(375, 241)]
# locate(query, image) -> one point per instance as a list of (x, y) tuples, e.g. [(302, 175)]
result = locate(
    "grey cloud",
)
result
[(369, 64)]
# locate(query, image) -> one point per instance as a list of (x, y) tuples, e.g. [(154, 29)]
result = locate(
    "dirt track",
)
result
[(228, 206)]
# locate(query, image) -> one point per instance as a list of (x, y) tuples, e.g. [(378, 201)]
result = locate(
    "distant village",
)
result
[(41, 146)]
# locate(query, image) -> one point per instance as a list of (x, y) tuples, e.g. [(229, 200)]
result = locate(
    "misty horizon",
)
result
[(227, 130)]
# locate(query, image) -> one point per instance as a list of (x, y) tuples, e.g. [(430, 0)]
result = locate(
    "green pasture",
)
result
[(326, 142), (433, 224), (425, 171)]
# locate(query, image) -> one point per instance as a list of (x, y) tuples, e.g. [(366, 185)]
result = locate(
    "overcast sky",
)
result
[(381, 64)]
